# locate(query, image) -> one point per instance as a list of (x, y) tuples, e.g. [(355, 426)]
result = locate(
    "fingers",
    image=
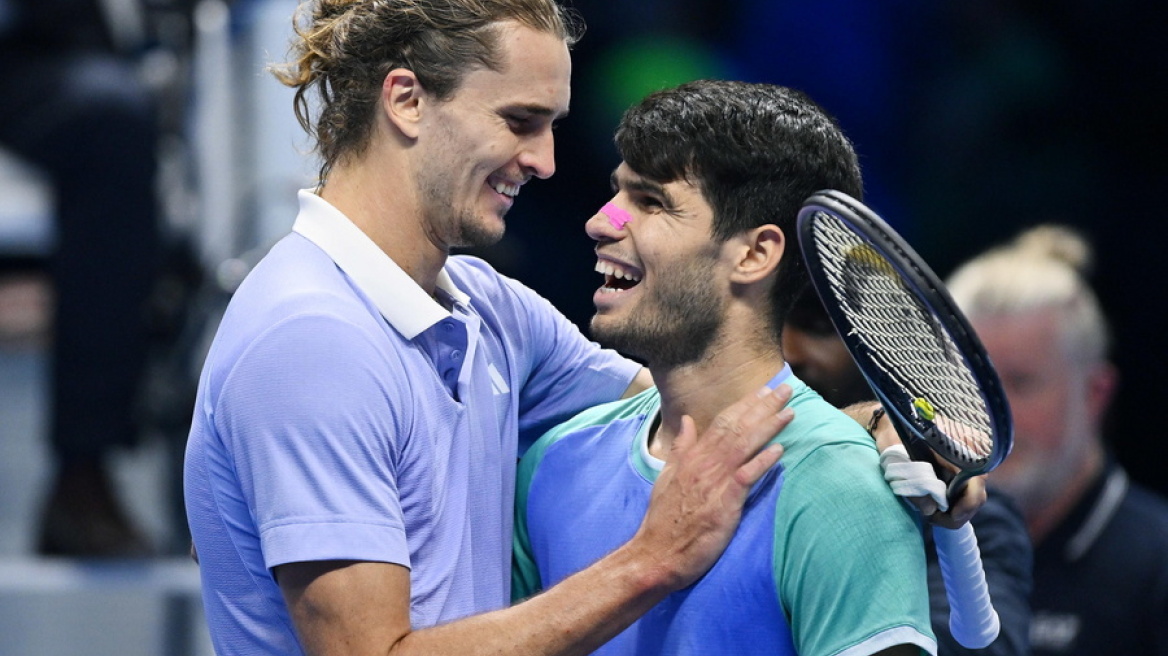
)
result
[(748, 474), (754, 421), (909, 481), (747, 425), (963, 508), (764, 417), (754, 468), (698, 497), (924, 505)]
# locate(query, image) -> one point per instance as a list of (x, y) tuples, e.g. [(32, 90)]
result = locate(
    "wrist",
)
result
[(648, 571), (874, 420)]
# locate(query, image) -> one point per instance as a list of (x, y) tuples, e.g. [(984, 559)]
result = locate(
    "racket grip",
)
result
[(972, 618)]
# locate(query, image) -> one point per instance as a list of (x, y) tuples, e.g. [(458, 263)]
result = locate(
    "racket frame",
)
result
[(917, 435)]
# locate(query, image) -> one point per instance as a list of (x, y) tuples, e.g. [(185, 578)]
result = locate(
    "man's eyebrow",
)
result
[(642, 185), (540, 110)]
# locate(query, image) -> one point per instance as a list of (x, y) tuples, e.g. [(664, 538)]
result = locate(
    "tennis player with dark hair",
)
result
[(700, 269), (817, 355), (350, 471), (1100, 540)]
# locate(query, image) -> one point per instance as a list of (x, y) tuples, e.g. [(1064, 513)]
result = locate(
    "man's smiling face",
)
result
[(663, 298), (491, 137)]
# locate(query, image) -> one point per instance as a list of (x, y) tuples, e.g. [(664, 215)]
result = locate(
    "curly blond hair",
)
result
[(345, 48)]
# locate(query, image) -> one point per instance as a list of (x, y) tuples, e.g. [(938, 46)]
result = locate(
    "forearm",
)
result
[(575, 616), (363, 608)]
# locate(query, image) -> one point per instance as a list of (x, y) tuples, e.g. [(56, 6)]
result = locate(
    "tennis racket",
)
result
[(926, 366)]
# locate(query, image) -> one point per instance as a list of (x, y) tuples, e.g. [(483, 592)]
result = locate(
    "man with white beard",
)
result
[(1100, 571)]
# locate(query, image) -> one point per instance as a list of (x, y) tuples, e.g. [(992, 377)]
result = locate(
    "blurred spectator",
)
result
[(71, 104), (1100, 572)]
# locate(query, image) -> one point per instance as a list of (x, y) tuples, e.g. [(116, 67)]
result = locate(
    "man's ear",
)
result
[(1102, 382), (402, 99), (758, 253)]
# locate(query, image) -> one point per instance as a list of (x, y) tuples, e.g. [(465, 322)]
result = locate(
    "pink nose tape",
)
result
[(616, 216)]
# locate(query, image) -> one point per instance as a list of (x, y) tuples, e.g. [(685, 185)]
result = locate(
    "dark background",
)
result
[(973, 120)]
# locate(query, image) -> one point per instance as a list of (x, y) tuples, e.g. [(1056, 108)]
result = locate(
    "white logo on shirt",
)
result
[(1053, 631), (497, 383)]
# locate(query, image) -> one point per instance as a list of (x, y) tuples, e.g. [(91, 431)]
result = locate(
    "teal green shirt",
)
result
[(826, 560)]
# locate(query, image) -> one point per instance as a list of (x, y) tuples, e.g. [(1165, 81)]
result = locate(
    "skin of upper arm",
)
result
[(346, 607), (641, 382)]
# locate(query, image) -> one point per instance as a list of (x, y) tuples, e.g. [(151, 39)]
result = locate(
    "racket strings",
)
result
[(910, 348)]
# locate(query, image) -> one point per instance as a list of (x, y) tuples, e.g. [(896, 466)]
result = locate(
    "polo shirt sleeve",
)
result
[(567, 373), (849, 558), (308, 416)]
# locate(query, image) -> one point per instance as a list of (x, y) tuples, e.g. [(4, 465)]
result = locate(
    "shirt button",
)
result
[(456, 355), (448, 326)]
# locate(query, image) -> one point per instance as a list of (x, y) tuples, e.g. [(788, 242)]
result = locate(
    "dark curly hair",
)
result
[(756, 152)]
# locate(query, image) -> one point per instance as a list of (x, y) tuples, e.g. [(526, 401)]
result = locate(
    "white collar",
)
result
[(1105, 506), (403, 303)]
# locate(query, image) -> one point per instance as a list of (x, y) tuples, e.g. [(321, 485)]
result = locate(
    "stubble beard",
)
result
[(472, 232), (453, 226), (1038, 482), (456, 227), (675, 327)]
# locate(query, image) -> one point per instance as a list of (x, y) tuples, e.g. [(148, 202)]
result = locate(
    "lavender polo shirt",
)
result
[(342, 413)]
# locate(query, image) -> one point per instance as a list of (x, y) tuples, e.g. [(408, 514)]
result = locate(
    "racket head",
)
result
[(907, 336)]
